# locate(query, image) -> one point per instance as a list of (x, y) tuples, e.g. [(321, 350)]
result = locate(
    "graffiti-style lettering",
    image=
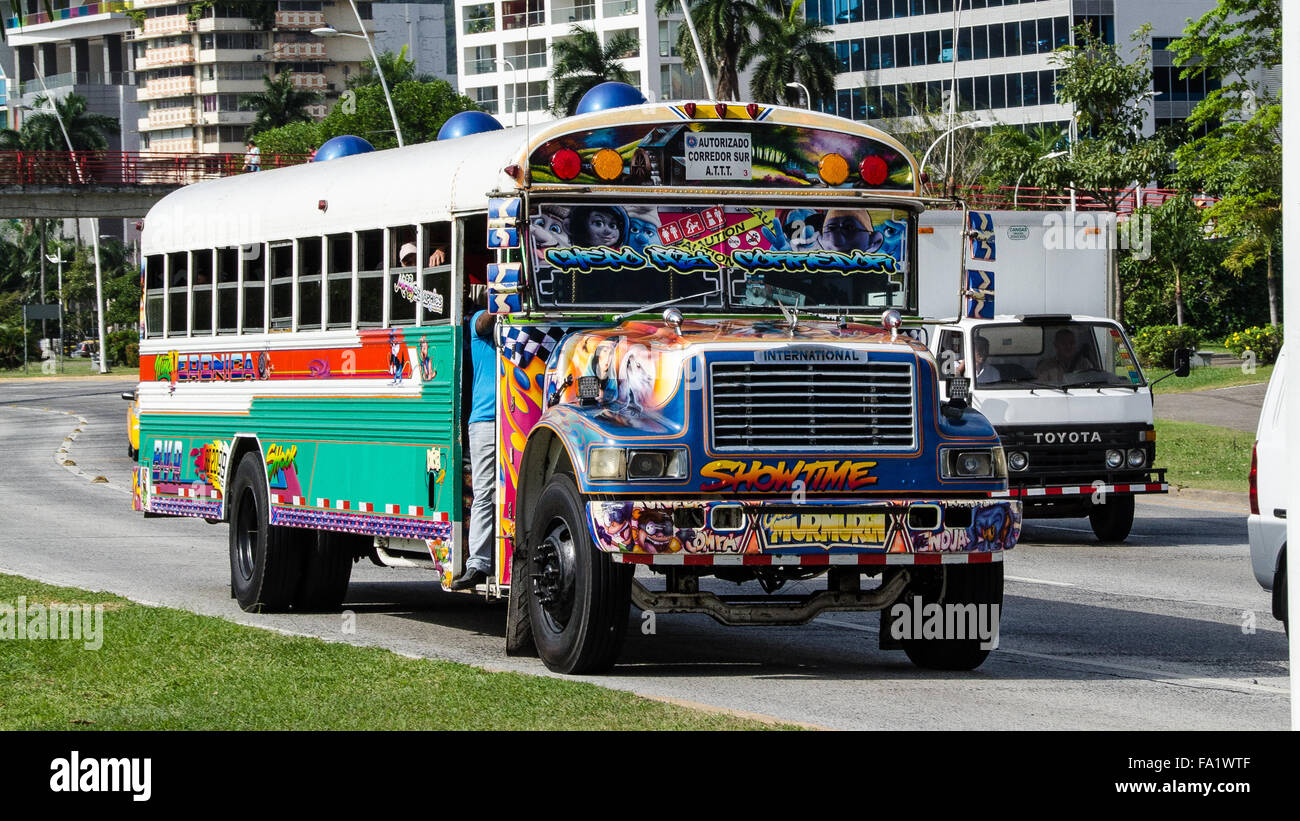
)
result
[(818, 477), (431, 300), (166, 464), (582, 260), (207, 367), (279, 460), (758, 260), (825, 529), (210, 461), (675, 260)]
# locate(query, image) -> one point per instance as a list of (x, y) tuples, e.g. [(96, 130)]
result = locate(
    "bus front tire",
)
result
[(265, 559), (978, 584), (578, 599), (1113, 519)]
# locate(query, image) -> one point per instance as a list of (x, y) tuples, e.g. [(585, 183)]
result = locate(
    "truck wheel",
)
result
[(578, 599), (265, 560), (978, 584), (519, 629), (1113, 519), (326, 569)]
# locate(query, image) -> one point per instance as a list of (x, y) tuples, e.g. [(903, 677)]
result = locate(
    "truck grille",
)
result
[(848, 406)]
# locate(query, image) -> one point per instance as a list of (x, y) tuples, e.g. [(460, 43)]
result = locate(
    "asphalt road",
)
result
[(1152, 634), (1236, 407)]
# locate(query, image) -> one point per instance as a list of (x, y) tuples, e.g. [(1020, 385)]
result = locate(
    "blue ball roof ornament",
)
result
[(466, 123), (609, 95), (342, 146)]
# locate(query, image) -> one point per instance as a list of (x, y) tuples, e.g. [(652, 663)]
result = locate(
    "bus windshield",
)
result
[(742, 258), (1065, 354)]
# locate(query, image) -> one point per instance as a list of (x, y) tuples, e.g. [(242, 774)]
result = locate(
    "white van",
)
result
[(1268, 486)]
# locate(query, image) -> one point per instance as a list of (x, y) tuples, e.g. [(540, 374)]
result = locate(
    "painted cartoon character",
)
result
[(602, 367), (395, 361), (614, 525), (642, 227), (653, 532), (803, 229), (591, 226), (426, 362), (893, 232), (846, 230), (990, 528), (548, 228)]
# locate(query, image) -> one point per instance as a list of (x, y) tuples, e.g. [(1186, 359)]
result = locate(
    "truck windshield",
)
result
[(603, 255), (1066, 354)]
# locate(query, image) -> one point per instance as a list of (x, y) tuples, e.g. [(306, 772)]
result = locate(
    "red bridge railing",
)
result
[(125, 167)]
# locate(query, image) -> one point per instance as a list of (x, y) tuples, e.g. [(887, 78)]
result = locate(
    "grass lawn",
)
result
[(70, 367), (1201, 379), (1204, 456), (167, 669)]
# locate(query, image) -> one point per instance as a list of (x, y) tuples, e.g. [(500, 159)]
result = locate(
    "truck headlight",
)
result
[(606, 463), (1137, 457), (1114, 458), (1018, 460), (974, 463)]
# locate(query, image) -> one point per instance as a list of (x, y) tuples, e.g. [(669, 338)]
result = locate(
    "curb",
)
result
[(63, 456)]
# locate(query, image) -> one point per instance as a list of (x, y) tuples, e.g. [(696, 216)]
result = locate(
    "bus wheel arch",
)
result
[(239, 447)]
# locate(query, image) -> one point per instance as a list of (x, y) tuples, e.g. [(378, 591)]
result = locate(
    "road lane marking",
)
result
[(1038, 581)]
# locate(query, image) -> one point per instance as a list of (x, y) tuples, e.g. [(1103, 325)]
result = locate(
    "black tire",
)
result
[(577, 599), (519, 627), (265, 560), (978, 584), (326, 569), (1279, 593), (1113, 519)]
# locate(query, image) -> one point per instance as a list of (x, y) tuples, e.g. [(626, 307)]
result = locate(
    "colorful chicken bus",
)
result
[(702, 389)]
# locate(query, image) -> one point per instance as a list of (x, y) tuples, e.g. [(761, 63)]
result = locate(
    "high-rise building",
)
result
[(427, 30), (503, 51), (894, 57)]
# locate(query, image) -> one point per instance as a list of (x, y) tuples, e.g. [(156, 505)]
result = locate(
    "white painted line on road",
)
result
[(1087, 530), (1128, 671), (1028, 580)]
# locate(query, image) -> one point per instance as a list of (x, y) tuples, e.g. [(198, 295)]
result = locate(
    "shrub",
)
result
[(1264, 342), (119, 347), (1155, 344)]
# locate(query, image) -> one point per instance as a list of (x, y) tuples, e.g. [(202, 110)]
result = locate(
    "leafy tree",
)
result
[(1013, 156), (422, 108), (579, 62), (724, 29), (1240, 159), (788, 49), (40, 130), (918, 131), (397, 68), (1109, 96), (279, 104), (294, 138), (1178, 247)]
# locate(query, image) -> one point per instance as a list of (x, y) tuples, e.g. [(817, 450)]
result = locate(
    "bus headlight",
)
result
[(1114, 459), (971, 463), (647, 463), (1137, 457), (606, 463)]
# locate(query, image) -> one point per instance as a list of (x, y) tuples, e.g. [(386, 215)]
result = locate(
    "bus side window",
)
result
[(153, 295), (254, 259), (227, 290), (435, 279), (282, 286), (402, 260), (338, 264), (178, 293), (309, 284), (475, 257), (370, 278), (950, 354), (202, 324)]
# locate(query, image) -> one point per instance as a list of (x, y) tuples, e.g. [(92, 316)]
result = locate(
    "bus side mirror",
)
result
[(1182, 361), (503, 288)]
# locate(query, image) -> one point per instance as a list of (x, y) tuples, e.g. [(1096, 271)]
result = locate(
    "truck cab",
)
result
[(1070, 404)]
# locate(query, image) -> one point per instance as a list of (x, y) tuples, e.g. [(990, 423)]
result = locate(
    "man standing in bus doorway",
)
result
[(482, 445)]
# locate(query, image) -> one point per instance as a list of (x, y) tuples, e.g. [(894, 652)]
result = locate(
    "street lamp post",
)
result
[(806, 95), (1015, 195), (330, 31), (939, 139), (59, 260)]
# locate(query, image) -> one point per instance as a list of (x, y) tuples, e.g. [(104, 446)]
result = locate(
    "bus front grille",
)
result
[(844, 406)]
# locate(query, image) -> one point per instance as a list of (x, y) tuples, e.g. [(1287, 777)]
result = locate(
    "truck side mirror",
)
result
[(1182, 361)]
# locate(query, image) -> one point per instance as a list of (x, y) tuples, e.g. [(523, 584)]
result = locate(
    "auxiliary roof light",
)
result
[(833, 169), (874, 170), (607, 164), (566, 163)]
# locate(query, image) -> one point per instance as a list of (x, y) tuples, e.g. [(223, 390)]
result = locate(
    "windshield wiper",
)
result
[(1035, 384), (643, 309), (1098, 383)]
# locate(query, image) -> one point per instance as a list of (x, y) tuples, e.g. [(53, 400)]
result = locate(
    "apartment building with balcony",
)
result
[(894, 56), (503, 51)]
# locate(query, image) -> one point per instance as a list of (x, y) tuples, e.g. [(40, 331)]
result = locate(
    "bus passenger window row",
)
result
[(366, 279)]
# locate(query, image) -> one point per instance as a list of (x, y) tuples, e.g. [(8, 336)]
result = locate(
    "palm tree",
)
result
[(788, 49), (40, 130), (397, 68), (579, 62), (723, 27), (280, 104)]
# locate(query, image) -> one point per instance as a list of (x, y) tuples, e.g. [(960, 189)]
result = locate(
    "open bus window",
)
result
[(153, 295), (281, 286), (338, 293), (202, 321), (475, 258), (254, 259), (435, 276), (370, 278), (178, 277), (227, 290), (606, 255), (402, 258), (309, 284)]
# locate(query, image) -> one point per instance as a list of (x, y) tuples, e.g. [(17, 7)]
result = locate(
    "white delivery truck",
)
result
[(1016, 308)]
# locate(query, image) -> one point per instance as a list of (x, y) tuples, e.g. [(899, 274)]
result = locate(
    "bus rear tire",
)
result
[(265, 559), (978, 584), (1112, 520), (578, 599), (326, 571)]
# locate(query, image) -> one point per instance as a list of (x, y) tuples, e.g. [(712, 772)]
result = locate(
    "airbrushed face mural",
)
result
[(648, 527), (726, 257)]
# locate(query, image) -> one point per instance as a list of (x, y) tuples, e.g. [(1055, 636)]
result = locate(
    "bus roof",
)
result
[(427, 182)]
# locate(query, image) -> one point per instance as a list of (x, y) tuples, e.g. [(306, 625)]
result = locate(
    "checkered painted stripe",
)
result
[(197, 493), (347, 506), (1079, 490), (374, 524), (170, 506), (806, 559)]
